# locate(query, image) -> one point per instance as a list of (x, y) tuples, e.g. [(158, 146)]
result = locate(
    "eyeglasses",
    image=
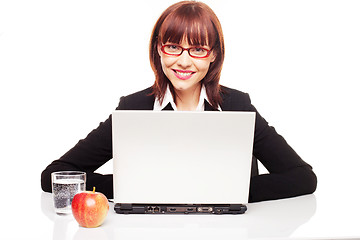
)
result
[(176, 50)]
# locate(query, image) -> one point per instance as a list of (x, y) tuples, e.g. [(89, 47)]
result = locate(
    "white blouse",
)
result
[(168, 98)]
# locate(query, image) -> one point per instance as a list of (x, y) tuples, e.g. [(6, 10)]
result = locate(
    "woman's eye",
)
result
[(173, 48), (199, 50)]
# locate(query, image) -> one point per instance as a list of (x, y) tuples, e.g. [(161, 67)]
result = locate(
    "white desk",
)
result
[(296, 218), (269, 219)]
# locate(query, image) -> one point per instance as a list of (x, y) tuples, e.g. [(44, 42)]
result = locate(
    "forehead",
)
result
[(194, 28), (185, 36)]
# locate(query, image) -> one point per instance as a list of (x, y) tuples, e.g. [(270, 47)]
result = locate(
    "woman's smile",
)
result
[(183, 74)]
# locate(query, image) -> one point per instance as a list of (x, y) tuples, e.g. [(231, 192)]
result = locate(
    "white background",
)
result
[(65, 64)]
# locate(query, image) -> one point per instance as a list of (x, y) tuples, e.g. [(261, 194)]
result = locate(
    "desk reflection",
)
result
[(262, 220)]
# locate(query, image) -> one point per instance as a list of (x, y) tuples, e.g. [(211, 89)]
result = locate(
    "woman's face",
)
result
[(184, 71)]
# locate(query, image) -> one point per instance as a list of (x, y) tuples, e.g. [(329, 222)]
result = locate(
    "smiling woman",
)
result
[(185, 72), (187, 54), (191, 24)]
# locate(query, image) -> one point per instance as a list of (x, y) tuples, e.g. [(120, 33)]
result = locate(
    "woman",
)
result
[(186, 55)]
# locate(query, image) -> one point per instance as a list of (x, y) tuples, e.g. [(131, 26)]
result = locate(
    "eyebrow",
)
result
[(178, 44)]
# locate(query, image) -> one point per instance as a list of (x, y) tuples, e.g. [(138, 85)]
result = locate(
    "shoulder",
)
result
[(231, 92), (141, 100), (235, 100)]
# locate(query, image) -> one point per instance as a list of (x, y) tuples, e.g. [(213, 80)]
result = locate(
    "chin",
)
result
[(181, 89), (183, 86)]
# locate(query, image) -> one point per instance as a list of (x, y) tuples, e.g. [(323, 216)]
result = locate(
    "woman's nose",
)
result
[(184, 59)]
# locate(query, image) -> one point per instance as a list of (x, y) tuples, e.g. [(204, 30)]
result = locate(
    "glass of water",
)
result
[(65, 185)]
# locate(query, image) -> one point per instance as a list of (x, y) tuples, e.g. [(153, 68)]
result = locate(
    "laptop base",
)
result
[(124, 208)]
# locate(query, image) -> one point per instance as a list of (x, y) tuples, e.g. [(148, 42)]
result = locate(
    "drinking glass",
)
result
[(65, 185)]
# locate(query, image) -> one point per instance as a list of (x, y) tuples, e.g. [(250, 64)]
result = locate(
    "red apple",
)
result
[(90, 208)]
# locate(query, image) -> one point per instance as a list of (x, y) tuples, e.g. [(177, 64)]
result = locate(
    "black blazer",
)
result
[(288, 176)]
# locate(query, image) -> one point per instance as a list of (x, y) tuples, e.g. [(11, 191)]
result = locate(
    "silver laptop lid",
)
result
[(176, 157)]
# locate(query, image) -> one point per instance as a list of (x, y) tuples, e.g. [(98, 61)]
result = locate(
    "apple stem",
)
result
[(93, 189)]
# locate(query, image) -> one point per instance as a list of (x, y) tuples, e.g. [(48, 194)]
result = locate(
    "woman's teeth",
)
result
[(183, 73)]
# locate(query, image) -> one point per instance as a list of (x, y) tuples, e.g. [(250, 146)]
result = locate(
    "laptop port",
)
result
[(205, 209), (153, 209), (181, 209), (192, 209)]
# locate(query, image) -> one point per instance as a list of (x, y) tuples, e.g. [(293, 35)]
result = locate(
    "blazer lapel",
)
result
[(168, 107), (208, 107), (226, 100)]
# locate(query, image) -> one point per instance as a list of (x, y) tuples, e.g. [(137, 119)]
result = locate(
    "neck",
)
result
[(188, 100)]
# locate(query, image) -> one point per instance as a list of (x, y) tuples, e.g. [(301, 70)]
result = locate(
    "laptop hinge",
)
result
[(127, 208), (235, 207)]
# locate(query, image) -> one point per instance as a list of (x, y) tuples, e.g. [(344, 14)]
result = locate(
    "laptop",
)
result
[(181, 161)]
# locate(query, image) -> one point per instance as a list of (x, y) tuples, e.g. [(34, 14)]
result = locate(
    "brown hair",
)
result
[(199, 24)]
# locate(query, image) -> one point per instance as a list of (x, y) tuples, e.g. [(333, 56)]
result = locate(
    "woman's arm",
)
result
[(289, 175), (87, 156)]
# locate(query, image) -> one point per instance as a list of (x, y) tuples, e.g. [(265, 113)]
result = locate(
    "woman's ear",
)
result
[(213, 57), (159, 49)]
